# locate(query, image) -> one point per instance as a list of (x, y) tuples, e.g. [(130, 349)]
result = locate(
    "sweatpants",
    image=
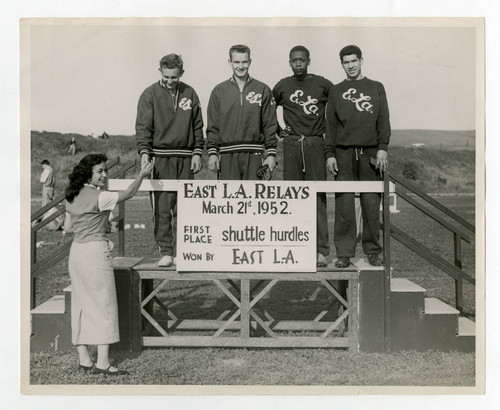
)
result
[(305, 161), (164, 203), (240, 165), (354, 165)]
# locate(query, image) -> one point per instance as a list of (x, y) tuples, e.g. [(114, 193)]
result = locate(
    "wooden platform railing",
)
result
[(38, 267), (384, 187), (245, 310), (461, 229)]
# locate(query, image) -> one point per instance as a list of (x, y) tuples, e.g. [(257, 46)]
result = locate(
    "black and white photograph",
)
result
[(288, 208), (259, 206)]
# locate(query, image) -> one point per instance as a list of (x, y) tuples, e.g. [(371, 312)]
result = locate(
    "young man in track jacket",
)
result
[(169, 128), (358, 129), (303, 97), (242, 123)]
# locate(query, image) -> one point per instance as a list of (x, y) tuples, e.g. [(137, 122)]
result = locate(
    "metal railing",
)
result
[(38, 267)]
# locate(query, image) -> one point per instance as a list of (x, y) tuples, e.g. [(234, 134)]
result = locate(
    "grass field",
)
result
[(281, 367), (300, 367)]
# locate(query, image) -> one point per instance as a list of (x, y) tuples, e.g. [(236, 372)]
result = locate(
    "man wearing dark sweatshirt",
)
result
[(169, 128), (303, 97), (357, 130)]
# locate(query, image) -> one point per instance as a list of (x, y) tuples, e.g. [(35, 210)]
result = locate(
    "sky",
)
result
[(87, 76)]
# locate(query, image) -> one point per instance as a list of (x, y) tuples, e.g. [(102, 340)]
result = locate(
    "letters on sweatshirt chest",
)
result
[(360, 100), (174, 104), (250, 99), (254, 98), (186, 104), (308, 104)]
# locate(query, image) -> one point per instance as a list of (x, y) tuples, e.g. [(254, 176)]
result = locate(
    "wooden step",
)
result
[(407, 299), (440, 326), (466, 327), (466, 338), (50, 326), (407, 310), (434, 306), (126, 262), (399, 285), (67, 298), (419, 323), (53, 306)]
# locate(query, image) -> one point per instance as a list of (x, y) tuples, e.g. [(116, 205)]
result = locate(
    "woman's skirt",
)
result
[(94, 308)]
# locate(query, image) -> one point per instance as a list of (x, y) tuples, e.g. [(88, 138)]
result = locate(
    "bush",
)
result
[(410, 170)]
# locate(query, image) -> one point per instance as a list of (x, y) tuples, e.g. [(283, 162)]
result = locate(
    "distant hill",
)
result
[(435, 139), (446, 163)]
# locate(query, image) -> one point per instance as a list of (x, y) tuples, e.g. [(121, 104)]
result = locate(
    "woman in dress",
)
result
[(94, 309)]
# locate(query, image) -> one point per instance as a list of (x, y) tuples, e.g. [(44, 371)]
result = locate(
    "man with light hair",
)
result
[(242, 123), (169, 129)]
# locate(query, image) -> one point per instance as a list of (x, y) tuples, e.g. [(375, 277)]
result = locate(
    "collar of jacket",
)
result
[(233, 80), (162, 85)]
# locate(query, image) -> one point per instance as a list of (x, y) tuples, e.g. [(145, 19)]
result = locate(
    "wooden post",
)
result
[(121, 229), (457, 250), (33, 247), (121, 211), (372, 322), (245, 307), (121, 225), (353, 319), (33, 278), (387, 260), (128, 295), (33, 293)]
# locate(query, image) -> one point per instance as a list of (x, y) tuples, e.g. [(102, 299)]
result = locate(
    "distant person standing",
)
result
[(303, 97), (358, 130), (242, 123), (169, 128), (72, 146), (48, 179)]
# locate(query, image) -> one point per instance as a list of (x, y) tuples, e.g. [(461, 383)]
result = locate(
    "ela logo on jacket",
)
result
[(254, 98), (308, 106), (186, 104), (361, 102)]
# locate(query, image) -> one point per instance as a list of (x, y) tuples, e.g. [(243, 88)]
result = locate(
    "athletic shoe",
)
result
[(374, 260), (321, 261), (343, 262), (165, 261)]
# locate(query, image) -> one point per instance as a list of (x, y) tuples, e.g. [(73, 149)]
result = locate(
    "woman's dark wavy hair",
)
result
[(82, 173)]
